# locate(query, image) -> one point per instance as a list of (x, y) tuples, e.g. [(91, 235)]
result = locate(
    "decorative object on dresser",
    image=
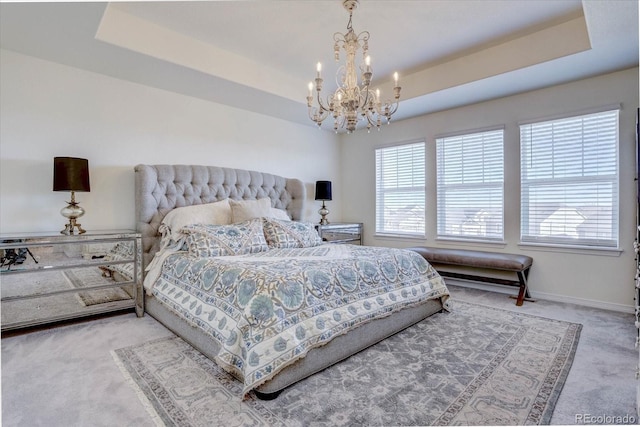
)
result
[(341, 232), (71, 174), (58, 282), (323, 192), (351, 102)]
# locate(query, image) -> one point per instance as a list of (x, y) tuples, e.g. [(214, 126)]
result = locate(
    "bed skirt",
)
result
[(340, 348)]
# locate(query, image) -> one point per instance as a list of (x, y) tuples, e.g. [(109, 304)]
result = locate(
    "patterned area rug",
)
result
[(87, 277), (474, 366)]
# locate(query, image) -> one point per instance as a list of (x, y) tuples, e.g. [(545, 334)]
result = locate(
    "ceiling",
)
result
[(260, 55)]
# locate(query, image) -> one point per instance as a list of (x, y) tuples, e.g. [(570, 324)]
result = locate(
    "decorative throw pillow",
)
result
[(218, 213), (290, 234), (206, 240), (243, 210)]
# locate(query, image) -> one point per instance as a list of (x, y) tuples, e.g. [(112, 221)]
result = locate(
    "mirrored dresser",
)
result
[(49, 277)]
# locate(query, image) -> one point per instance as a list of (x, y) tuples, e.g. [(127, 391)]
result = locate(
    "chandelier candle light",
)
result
[(352, 102)]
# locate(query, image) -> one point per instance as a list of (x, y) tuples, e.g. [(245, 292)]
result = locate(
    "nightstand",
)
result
[(341, 232), (49, 277)]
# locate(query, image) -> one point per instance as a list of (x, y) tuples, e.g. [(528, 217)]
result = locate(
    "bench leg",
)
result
[(524, 292)]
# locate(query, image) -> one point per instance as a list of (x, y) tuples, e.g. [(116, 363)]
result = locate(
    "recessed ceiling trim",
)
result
[(130, 32), (562, 39)]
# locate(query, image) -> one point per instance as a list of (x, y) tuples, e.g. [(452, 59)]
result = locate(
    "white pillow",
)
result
[(279, 214), (243, 210), (218, 213)]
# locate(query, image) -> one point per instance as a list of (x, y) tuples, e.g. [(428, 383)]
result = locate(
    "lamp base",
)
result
[(323, 213), (68, 228), (72, 211)]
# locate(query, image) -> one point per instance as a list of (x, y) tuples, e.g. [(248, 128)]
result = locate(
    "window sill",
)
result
[(471, 242), (399, 237), (583, 250)]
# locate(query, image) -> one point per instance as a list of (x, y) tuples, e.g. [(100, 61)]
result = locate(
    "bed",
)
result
[(274, 311)]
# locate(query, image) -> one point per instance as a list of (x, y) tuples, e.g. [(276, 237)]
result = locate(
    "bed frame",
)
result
[(160, 188)]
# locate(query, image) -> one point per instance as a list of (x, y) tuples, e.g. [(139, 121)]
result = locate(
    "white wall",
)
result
[(590, 279), (49, 110)]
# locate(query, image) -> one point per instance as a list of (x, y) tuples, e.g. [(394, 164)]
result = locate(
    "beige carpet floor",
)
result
[(66, 376)]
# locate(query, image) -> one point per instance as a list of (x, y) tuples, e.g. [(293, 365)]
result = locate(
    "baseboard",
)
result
[(512, 290), (483, 286), (622, 308)]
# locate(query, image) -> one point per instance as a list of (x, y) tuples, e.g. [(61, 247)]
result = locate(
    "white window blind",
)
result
[(569, 179), (400, 193), (471, 186)]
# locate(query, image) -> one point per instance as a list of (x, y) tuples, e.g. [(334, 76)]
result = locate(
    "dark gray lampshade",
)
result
[(323, 190), (70, 174)]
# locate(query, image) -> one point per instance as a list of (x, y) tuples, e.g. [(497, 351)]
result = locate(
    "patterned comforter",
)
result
[(267, 310)]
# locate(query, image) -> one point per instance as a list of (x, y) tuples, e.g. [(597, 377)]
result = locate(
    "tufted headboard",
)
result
[(160, 188)]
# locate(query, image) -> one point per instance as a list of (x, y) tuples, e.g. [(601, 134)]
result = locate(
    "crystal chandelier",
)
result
[(352, 102)]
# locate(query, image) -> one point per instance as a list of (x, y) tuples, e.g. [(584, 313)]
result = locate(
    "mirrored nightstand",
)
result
[(341, 232)]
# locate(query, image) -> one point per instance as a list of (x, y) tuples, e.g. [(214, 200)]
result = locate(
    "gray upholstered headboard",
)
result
[(160, 188)]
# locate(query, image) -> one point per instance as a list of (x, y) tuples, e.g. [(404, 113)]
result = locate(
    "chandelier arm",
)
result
[(392, 108), (338, 123), (318, 113), (314, 118), (364, 35), (375, 118), (322, 106), (369, 116)]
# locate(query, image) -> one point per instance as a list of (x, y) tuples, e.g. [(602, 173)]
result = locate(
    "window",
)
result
[(400, 189), (569, 179), (471, 186)]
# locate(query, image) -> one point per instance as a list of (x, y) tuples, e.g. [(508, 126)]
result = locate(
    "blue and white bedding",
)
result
[(268, 308)]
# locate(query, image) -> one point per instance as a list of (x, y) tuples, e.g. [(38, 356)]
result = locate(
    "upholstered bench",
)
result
[(519, 264)]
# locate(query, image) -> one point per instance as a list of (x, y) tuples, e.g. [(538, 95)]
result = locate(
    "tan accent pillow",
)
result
[(243, 210), (218, 213)]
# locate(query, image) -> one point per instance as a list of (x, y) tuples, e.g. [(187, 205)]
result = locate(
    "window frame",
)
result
[(442, 187), (565, 243), (421, 189)]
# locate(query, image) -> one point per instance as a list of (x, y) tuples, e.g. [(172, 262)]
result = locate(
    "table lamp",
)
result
[(323, 192), (71, 174)]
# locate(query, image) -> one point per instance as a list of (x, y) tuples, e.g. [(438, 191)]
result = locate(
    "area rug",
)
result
[(87, 277), (476, 365)]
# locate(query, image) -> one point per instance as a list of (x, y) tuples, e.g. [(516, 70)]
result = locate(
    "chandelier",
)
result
[(352, 102)]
